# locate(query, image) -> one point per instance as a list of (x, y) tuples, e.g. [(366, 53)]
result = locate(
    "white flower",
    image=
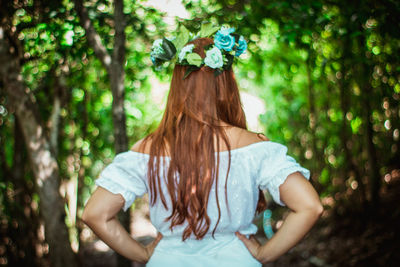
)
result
[(186, 49), (226, 30), (157, 49), (157, 43), (214, 58)]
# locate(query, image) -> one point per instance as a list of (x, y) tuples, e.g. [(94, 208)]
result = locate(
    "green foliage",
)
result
[(207, 29), (328, 72), (57, 62), (182, 38), (324, 69)]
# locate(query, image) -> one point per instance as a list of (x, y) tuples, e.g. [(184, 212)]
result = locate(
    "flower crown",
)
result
[(219, 56)]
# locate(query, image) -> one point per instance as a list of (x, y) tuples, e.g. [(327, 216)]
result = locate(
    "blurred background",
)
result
[(77, 87)]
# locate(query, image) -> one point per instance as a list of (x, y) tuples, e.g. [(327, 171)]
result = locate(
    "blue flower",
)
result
[(185, 49), (224, 40), (213, 58), (242, 46)]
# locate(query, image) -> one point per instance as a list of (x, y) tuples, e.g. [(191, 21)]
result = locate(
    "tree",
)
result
[(41, 154), (115, 66)]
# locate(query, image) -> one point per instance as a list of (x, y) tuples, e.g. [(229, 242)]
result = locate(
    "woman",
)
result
[(203, 171)]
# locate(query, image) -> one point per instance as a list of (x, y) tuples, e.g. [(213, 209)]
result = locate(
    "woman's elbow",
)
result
[(85, 216), (317, 209), (89, 217), (313, 209)]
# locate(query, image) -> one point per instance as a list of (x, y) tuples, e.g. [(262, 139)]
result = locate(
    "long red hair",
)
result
[(189, 132)]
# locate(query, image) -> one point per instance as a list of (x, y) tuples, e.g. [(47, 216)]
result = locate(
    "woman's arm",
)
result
[(100, 215), (299, 195)]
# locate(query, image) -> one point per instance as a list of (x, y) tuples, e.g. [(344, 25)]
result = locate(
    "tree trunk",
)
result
[(82, 169), (43, 162), (349, 161), (375, 179), (117, 78), (312, 116), (115, 66), (21, 221), (363, 79), (27, 223)]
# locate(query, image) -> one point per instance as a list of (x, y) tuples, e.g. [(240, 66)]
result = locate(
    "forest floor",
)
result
[(367, 237)]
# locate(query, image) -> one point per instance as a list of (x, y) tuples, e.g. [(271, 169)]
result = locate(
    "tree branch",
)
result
[(92, 36), (119, 41)]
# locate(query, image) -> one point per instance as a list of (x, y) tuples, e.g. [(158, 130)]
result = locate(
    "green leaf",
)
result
[(207, 29), (158, 62), (169, 50), (207, 47), (217, 72), (237, 37), (194, 59), (41, 26), (324, 177), (182, 38), (229, 59), (189, 70)]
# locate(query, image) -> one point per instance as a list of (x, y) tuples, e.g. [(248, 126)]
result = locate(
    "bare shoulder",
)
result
[(242, 137), (252, 137), (141, 146)]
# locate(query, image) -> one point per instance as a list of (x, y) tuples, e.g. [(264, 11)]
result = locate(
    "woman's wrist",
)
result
[(294, 228), (149, 249), (262, 256)]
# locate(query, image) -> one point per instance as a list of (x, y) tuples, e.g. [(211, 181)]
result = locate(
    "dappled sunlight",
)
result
[(159, 91), (173, 8), (253, 107), (101, 246), (321, 77), (140, 223)]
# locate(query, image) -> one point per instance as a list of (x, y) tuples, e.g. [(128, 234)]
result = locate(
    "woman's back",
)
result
[(255, 164)]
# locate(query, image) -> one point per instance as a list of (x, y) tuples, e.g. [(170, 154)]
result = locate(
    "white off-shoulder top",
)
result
[(263, 165)]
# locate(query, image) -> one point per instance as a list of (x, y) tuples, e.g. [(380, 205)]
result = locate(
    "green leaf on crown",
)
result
[(207, 47), (189, 70), (169, 50), (229, 59), (158, 62), (183, 37), (237, 37), (194, 59), (207, 29), (217, 72)]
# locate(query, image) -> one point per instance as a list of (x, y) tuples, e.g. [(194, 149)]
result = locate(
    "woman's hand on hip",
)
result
[(149, 249), (251, 244), (303, 201)]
